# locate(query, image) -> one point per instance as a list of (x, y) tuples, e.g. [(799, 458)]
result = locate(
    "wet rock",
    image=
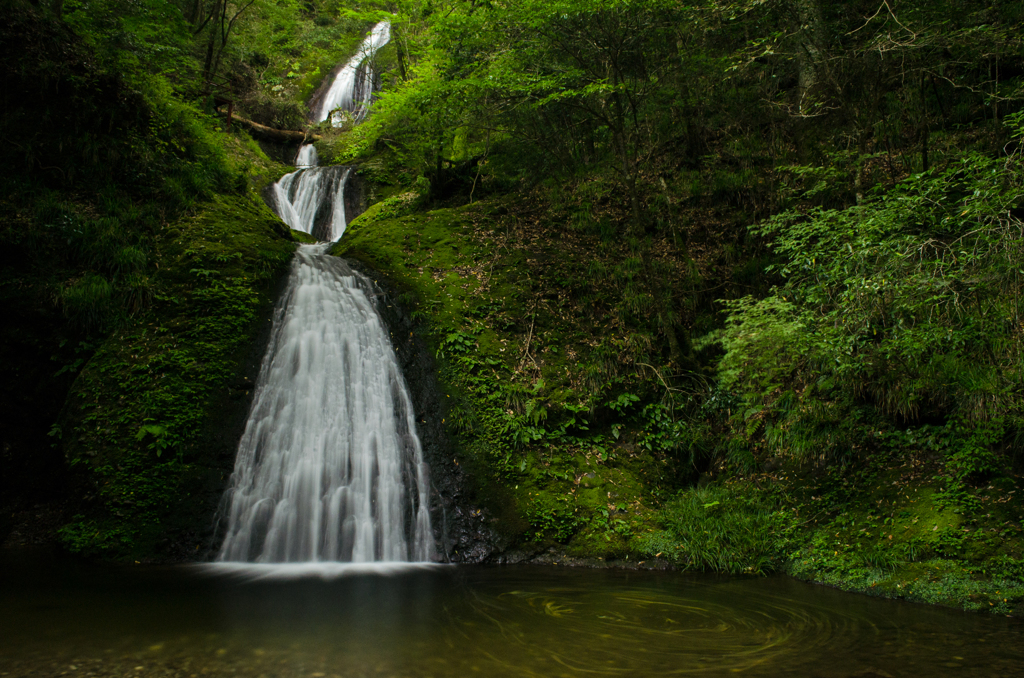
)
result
[(243, 384), (462, 528), (198, 537)]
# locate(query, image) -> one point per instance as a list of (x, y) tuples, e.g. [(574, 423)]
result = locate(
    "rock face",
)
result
[(355, 196), (461, 528), (224, 427)]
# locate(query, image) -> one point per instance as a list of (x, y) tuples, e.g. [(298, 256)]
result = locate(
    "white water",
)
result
[(307, 157), (320, 570), (312, 199), (350, 90), (329, 467)]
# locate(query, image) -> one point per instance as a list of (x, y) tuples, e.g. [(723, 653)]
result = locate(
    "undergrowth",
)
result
[(138, 431), (539, 402), (740, 529)]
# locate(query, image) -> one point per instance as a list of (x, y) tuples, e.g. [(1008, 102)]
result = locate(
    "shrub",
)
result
[(722, 529)]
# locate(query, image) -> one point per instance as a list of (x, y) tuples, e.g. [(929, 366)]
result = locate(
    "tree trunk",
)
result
[(207, 76), (924, 127), (210, 46), (811, 41), (401, 59), (283, 136), (195, 14)]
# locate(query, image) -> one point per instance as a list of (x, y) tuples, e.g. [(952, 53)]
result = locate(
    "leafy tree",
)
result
[(220, 16), (908, 303)]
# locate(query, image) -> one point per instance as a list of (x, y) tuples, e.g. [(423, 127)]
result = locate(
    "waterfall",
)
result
[(352, 88), (312, 199), (329, 468), (307, 157)]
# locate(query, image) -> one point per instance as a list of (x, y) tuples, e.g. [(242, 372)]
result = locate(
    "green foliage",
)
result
[(667, 431), (560, 84), (92, 114), (553, 517), (108, 151), (739, 530), (907, 303), (93, 538), (769, 327), (142, 404), (159, 438)]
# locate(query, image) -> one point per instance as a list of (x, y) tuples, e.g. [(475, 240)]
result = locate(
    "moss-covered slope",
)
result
[(568, 437), (541, 392), (153, 419)]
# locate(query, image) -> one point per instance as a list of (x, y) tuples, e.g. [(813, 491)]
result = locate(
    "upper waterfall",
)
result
[(351, 90), (307, 157)]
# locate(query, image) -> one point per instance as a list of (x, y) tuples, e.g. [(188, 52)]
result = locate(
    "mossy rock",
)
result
[(501, 345), (153, 418)]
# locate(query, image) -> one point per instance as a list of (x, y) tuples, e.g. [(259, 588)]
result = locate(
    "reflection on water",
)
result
[(252, 572), (473, 621)]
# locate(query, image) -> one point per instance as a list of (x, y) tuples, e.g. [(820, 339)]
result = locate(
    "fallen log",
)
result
[(284, 136)]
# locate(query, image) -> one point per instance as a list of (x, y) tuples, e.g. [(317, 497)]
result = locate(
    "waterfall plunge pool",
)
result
[(68, 618)]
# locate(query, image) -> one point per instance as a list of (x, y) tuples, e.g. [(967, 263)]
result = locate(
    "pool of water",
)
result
[(68, 618)]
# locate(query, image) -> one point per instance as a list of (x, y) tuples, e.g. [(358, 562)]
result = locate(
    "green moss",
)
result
[(303, 237), (517, 367), (886, 527), (134, 429)]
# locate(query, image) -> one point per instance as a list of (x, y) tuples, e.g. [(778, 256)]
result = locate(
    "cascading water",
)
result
[(307, 157), (329, 468), (352, 88), (312, 199)]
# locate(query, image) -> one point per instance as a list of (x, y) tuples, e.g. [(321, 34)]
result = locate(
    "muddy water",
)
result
[(65, 618)]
